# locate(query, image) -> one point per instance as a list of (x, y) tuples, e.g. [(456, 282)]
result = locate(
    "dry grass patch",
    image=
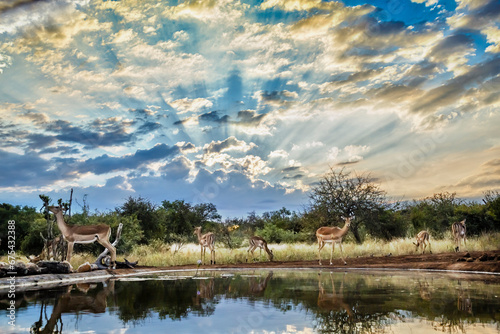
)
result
[(159, 254)]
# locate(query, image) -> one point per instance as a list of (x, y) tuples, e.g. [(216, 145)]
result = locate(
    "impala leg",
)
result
[(70, 251), (321, 244), (331, 253), (342, 253), (248, 251), (112, 251), (213, 252)]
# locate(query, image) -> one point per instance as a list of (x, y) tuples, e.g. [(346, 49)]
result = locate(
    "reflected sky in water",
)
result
[(263, 301)]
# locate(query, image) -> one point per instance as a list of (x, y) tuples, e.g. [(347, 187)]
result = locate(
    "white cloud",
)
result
[(471, 4), (349, 154), (229, 144), (428, 3), (493, 37), (191, 105), (333, 153), (123, 36), (278, 154), (212, 12), (253, 166)]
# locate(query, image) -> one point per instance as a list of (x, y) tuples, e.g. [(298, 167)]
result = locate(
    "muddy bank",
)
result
[(473, 262), (464, 261)]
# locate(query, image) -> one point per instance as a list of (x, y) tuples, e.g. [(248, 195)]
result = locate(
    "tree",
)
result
[(177, 217), (205, 212), (145, 212), (180, 218), (492, 205), (24, 217), (435, 213), (345, 193)]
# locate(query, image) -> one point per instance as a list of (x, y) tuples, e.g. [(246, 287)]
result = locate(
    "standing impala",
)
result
[(257, 242), (334, 235), (206, 240), (458, 230), (423, 239), (84, 234)]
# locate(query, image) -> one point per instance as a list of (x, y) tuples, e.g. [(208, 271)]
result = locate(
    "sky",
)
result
[(246, 104)]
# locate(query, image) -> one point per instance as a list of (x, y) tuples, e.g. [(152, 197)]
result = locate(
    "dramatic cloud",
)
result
[(97, 134), (246, 103), (105, 164), (229, 144), (29, 170)]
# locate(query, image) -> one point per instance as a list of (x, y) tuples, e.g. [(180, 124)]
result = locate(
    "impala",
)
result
[(258, 285), (458, 231), (257, 242), (85, 234), (333, 301), (70, 303), (206, 240), (334, 235), (423, 239)]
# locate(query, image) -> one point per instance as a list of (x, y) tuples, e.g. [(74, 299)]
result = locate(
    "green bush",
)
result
[(32, 244), (273, 234), (132, 233)]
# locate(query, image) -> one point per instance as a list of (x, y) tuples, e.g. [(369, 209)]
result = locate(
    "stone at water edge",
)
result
[(84, 268)]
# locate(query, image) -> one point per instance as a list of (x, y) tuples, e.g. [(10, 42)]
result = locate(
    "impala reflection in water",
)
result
[(263, 301)]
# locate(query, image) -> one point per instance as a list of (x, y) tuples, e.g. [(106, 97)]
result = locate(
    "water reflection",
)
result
[(333, 301), (72, 302), (259, 301)]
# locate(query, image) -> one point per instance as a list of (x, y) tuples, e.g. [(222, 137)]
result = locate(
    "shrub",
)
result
[(273, 234)]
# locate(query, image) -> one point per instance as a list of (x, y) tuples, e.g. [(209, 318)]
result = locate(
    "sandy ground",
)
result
[(462, 261)]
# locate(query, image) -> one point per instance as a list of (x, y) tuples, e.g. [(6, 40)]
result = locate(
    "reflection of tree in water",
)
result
[(173, 299)]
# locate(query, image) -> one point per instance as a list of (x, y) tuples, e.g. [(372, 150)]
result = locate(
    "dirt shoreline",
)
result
[(463, 262), (488, 262)]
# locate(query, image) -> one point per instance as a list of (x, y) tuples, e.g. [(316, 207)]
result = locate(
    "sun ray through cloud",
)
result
[(243, 103)]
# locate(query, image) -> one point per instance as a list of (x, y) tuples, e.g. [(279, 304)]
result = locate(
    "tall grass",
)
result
[(163, 255)]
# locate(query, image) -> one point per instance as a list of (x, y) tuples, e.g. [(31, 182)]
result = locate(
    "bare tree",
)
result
[(346, 193)]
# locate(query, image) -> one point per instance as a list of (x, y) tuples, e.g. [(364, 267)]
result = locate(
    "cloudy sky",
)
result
[(246, 104)]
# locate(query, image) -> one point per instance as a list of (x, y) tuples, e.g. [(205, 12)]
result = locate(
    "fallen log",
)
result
[(21, 269), (103, 259), (99, 262)]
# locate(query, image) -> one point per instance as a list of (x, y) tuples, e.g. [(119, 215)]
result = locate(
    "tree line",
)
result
[(338, 193)]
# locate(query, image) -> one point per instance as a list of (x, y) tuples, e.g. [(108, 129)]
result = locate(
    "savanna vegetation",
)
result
[(162, 233)]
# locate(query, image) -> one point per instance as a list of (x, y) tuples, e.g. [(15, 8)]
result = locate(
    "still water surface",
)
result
[(263, 301)]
